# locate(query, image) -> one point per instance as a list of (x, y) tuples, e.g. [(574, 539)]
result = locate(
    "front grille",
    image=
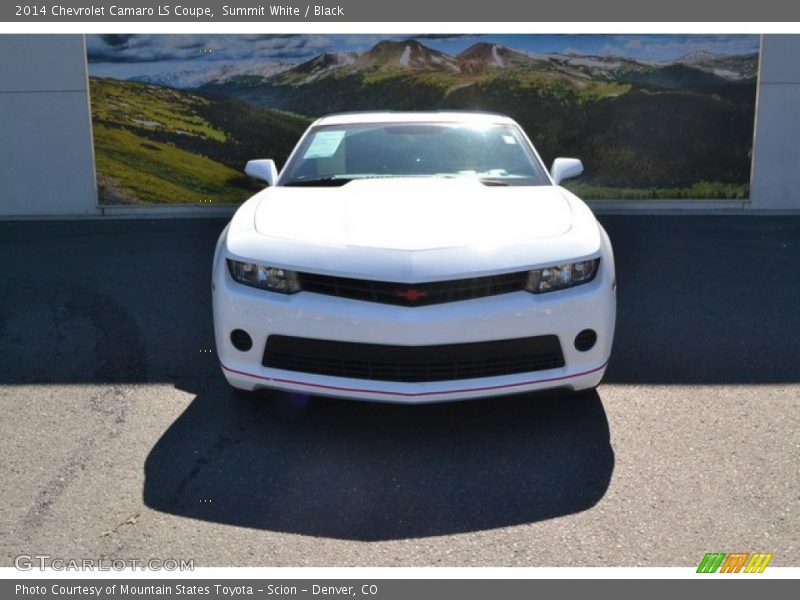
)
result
[(413, 363), (413, 294)]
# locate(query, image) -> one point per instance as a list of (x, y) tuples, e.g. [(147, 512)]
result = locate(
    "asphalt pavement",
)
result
[(119, 437)]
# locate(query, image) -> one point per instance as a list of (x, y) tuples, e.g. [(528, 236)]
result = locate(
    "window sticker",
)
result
[(509, 139), (324, 144)]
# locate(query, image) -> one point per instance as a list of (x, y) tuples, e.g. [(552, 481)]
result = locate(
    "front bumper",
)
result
[(519, 314)]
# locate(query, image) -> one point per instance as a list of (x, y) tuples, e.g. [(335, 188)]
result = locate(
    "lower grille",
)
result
[(413, 363)]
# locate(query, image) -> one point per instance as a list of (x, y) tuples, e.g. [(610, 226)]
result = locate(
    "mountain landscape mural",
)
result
[(175, 117)]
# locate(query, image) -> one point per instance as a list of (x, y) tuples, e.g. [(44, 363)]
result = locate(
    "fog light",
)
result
[(585, 340), (241, 340)]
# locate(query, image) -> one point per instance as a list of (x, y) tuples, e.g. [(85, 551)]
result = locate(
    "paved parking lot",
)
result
[(120, 438)]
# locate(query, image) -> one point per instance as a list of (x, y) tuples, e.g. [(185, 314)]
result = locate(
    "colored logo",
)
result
[(412, 295), (735, 562)]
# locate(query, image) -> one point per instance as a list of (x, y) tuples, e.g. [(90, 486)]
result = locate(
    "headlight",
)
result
[(266, 278), (559, 277)]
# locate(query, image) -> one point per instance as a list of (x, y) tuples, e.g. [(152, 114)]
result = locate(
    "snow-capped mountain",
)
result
[(410, 54), (480, 58), (495, 56), (730, 67), (323, 64)]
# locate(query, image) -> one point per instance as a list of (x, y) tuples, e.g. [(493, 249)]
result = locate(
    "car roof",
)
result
[(413, 117)]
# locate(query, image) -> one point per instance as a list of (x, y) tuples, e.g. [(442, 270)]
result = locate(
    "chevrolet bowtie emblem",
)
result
[(411, 294)]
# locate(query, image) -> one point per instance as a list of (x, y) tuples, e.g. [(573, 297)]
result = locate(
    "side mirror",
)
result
[(263, 169), (565, 168)]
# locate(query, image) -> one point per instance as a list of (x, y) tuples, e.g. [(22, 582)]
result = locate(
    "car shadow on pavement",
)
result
[(366, 471), (705, 300), (702, 301)]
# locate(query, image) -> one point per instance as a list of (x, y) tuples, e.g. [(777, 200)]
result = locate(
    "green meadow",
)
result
[(158, 145)]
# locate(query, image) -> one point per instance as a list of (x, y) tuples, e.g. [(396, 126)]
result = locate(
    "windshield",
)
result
[(336, 154)]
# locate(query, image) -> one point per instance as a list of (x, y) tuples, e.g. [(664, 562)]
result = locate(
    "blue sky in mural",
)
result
[(125, 56), (643, 47)]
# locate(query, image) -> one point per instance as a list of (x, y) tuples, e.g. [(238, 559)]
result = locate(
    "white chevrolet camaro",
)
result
[(414, 257)]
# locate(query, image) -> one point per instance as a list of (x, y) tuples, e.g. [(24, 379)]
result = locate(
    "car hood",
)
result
[(412, 214), (412, 230)]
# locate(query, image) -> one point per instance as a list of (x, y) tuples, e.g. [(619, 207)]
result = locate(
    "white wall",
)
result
[(46, 156), (775, 181)]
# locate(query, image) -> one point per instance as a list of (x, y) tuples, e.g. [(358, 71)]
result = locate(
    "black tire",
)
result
[(241, 394), (284, 407)]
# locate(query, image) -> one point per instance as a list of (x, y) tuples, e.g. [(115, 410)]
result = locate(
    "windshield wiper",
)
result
[(329, 181), (337, 180), (492, 181)]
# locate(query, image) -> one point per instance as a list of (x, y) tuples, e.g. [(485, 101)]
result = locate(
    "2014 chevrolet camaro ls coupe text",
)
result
[(414, 257)]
